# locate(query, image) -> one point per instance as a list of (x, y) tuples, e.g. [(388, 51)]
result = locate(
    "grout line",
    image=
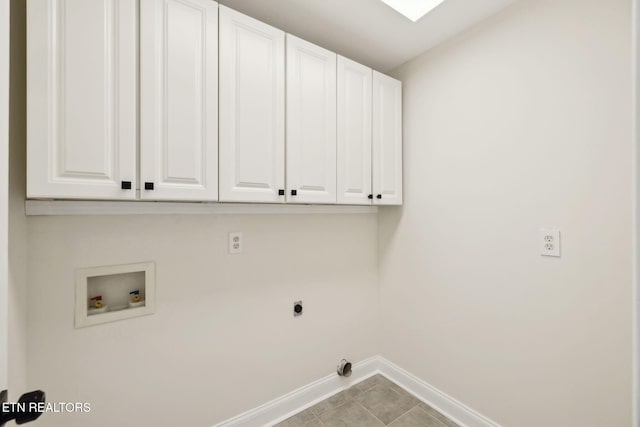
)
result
[(353, 400), (439, 415), (374, 415), (430, 415), (416, 406), (391, 386), (314, 420), (315, 417), (449, 420), (365, 390), (332, 409), (396, 391)]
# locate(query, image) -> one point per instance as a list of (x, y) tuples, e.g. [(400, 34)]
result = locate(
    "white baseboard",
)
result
[(445, 404), (298, 400), (290, 404)]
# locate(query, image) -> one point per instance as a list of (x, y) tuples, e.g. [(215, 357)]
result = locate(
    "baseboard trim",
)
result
[(306, 396), (298, 400), (442, 402)]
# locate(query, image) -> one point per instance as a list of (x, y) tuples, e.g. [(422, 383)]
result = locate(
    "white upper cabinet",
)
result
[(82, 99), (387, 140), (311, 123), (354, 132), (252, 110), (179, 100), (186, 100)]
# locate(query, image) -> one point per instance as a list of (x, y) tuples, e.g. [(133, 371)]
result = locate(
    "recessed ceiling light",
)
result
[(413, 9)]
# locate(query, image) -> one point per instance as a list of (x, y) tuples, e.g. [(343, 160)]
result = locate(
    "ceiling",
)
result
[(368, 31)]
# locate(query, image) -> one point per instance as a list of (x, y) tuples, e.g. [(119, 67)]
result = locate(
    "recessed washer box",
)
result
[(115, 285)]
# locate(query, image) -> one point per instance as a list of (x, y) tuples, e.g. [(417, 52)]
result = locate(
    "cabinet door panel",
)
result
[(311, 123), (387, 140), (81, 98), (179, 99), (354, 132), (252, 67)]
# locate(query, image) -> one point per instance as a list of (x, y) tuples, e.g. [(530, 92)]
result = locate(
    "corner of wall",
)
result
[(636, 211), (17, 219)]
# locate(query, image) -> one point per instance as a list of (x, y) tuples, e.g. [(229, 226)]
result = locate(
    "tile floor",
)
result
[(374, 402)]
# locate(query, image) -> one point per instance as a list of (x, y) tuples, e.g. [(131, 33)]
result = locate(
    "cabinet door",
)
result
[(311, 123), (82, 99), (354, 132), (387, 140), (179, 100), (251, 109)]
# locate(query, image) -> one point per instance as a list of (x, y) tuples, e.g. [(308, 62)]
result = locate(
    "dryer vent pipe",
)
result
[(344, 368)]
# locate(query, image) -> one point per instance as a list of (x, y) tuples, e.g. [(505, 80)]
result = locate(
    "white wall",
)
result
[(17, 359), (223, 339), (636, 213), (521, 123)]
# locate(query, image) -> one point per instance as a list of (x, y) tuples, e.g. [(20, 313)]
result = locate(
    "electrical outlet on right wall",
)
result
[(549, 242)]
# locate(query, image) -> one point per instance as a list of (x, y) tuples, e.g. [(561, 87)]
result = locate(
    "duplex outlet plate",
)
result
[(549, 242), (235, 242)]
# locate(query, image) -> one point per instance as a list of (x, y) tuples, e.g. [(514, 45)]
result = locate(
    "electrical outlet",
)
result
[(549, 242), (235, 242)]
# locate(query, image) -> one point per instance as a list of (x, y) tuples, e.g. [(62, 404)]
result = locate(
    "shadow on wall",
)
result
[(388, 220), (17, 190)]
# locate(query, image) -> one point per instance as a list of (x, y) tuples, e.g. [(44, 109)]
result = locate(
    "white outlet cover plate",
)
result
[(549, 242), (235, 242)]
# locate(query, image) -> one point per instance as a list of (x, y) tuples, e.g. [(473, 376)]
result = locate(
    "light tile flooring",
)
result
[(374, 402)]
